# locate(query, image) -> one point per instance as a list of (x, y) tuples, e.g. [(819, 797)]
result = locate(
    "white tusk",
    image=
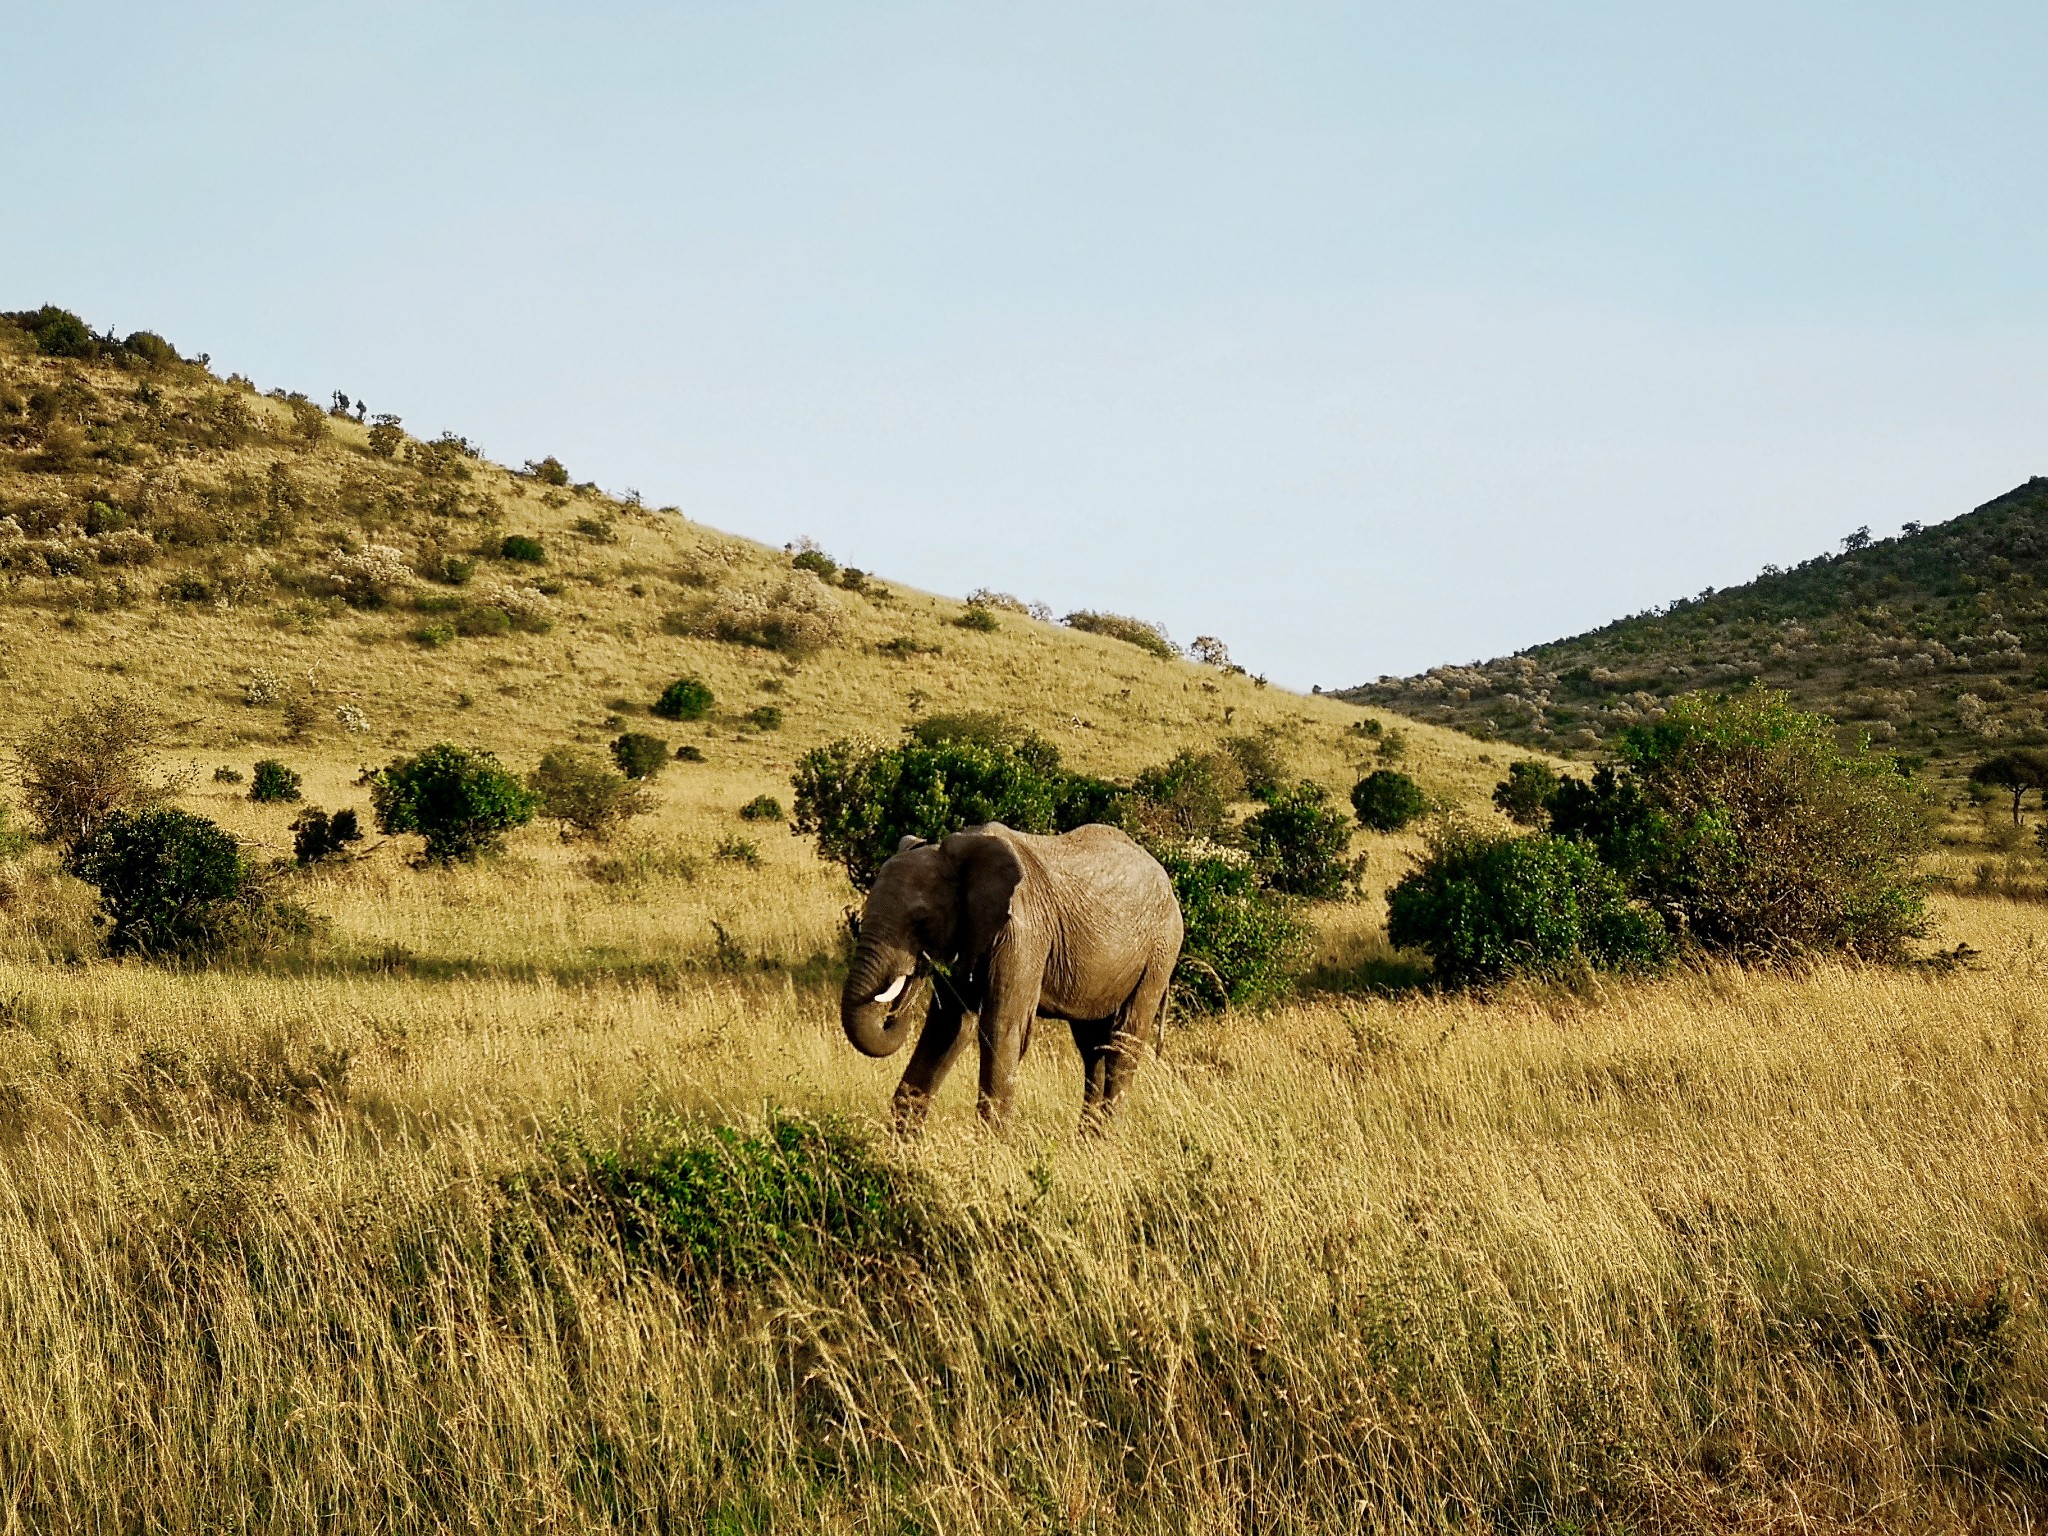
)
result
[(894, 990)]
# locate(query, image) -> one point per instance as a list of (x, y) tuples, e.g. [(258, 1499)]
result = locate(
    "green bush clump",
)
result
[(460, 799), (762, 808), (639, 755), (687, 698), (1301, 844), (317, 835), (226, 775), (688, 753), (1755, 834), (716, 1207), (1486, 906), (817, 562), (150, 348), (175, 885), (979, 618), (1386, 800), (575, 788), (1243, 944), (765, 717), (1524, 795), (59, 333), (522, 547), (272, 783), (548, 471), (1144, 635)]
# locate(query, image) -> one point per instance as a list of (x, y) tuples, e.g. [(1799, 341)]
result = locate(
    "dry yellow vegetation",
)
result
[(324, 1248)]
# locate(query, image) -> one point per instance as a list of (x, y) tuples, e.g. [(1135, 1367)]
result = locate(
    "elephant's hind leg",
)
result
[(1135, 1027)]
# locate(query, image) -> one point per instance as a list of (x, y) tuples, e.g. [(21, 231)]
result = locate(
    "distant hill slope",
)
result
[(1933, 642), (274, 573)]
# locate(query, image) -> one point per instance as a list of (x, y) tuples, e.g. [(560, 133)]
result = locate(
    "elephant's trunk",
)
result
[(871, 1009)]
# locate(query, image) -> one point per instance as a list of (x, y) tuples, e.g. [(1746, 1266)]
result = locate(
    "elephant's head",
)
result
[(931, 902)]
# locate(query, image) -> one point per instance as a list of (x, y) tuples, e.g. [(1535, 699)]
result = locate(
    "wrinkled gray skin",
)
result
[(1011, 927)]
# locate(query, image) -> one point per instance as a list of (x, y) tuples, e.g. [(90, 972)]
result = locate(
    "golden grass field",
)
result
[(310, 1247)]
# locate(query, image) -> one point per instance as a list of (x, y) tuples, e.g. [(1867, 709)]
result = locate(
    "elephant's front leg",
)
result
[(1008, 1007), (937, 1049)]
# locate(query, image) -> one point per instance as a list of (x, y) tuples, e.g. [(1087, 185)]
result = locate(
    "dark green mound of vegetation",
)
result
[(1933, 643)]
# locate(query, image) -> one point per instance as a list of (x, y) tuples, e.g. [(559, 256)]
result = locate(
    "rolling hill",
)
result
[(1933, 642)]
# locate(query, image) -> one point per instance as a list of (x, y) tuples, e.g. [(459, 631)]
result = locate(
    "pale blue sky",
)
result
[(1365, 337)]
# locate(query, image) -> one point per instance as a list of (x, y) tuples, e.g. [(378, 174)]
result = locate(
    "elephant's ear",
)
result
[(908, 841), (989, 874)]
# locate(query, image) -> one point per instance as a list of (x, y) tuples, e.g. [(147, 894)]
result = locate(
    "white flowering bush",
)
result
[(368, 578), (351, 719), (263, 689)]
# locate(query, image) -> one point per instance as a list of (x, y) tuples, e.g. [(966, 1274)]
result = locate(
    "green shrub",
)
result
[(59, 333), (548, 471), (460, 799), (1387, 800), (1187, 796), (1486, 906), (817, 562), (1524, 795), (226, 775), (522, 547), (387, 434), (79, 766), (175, 885), (150, 348), (765, 717), (575, 788), (1243, 944), (273, 783), (975, 617), (317, 835), (1301, 844), (762, 808), (1145, 636), (687, 753), (687, 698), (1259, 761), (1755, 834), (738, 850), (639, 755)]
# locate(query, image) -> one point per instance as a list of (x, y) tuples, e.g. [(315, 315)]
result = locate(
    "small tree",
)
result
[(639, 755), (81, 765), (273, 783), (174, 884), (386, 434), (1486, 906), (317, 836), (548, 471), (1301, 844), (575, 788), (687, 698), (1386, 800), (1524, 795), (460, 799), (2017, 771)]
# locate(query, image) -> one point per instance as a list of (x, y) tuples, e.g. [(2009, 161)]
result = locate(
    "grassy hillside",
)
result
[(546, 1194), (1933, 642)]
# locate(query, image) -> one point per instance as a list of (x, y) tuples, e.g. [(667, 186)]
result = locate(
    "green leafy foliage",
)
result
[(1243, 945), (1386, 800), (1486, 906), (1301, 844), (575, 788), (687, 698), (1144, 635), (523, 548), (762, 808), (980, 619), (1756, 834), (639, 755), (317, 836), (1524, 795), (272, 783), (460, 799), (817, 562), (59, 333), (2016, 772), (548, 471), (175, 885), (78, 766), (765, 717)]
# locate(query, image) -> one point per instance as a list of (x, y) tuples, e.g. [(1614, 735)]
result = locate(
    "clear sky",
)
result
[(1365, 337)]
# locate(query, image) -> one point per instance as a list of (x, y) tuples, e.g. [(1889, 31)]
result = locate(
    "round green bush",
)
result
[(169, 881), (273, 784), (1243, 944), (575, 788), (639, 755), (1301, 844), (762, 808), (522, 547), (1387, 800), (687, 698), (460, 799), (1486, 906)]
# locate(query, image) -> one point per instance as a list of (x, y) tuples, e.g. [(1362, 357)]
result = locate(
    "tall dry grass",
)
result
[(1728, 1252)]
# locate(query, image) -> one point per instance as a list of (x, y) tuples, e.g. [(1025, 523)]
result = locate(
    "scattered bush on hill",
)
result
[(806, 556), (687, 698), (524, 548), (1485, 906), (1300, 845), (687, 753), (548, 471), (273, 783), (798, 616), (59, 333), (977, 618), (79, 766), (1386, 800), (1242, 946), (174, 885), (639, 755), (1259, 761), (387, 435), (1524, 795), (460, 799), (765, 717), (1746, 825), (762, 808), (575, 788), (317, 836), (1188, 796), (1144, 635)]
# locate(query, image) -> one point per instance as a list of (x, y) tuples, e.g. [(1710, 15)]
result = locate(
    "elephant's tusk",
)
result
[(894, 990)]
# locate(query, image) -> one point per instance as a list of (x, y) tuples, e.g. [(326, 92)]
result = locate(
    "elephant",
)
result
[(1011, 927)]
